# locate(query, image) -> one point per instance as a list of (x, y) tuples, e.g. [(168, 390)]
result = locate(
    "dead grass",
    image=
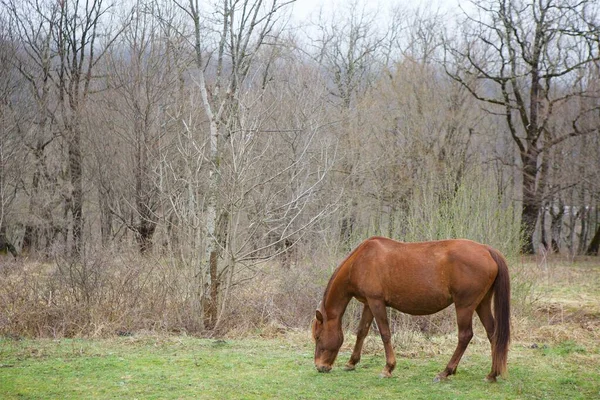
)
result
[(568, 304), (554, 300)]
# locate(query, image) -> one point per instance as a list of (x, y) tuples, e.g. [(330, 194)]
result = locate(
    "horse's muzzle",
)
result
[(323, 368)]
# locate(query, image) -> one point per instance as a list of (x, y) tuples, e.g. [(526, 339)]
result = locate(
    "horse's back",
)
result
[(421, 277)]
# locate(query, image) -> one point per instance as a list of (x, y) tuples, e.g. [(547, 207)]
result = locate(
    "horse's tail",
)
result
[(501, 338)]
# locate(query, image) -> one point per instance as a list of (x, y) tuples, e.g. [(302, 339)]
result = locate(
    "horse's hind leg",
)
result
[(363, 330), (484, 311), (464, 317)]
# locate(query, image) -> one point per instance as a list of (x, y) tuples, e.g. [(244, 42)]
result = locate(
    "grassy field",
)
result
[(555, 355)]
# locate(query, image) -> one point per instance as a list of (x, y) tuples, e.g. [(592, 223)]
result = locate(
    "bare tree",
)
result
[(59, 48), (421, 34), (10, 151), (31, 31), (77, 34), (348, 46), (142, 80), (594, 244), (422, 128), (524, 60), (244, 26)]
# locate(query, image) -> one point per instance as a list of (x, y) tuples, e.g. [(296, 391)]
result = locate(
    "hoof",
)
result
[(349, 367), (490, 379), (385, 374), (440, 378)]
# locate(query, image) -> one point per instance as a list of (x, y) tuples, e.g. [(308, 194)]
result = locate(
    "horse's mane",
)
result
[(337, 270), (329, 284)]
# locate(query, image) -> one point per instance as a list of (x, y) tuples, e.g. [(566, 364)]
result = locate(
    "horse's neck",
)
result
[(336, 301)]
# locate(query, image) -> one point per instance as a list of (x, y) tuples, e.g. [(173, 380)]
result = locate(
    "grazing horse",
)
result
[(417, 279)]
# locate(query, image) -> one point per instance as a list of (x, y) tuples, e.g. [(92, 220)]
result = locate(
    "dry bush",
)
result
[(121, 294), (107, 294), (103, 294), (277, 300)]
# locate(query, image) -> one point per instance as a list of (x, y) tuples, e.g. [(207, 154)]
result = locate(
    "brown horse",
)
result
[(418, 279)]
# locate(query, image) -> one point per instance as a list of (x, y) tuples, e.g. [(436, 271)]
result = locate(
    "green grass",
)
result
[(182, 367)]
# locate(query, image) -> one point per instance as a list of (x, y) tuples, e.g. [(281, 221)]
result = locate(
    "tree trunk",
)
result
[(594, 246), (5, 245), (75, 168), (543, 238), (143, 235), (144, 193), (346, 230), (209, 266), (105, 217), (584, 228), (528, 222), (556, 226), (211, 304), (531, 204)]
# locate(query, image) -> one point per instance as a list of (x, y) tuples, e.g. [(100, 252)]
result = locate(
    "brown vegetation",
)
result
[(129, 295), (155, 156)]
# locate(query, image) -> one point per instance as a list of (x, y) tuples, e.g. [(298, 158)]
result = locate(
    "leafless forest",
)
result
[(201, 165)]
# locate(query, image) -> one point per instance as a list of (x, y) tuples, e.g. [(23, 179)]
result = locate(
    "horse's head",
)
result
[(328, 338)]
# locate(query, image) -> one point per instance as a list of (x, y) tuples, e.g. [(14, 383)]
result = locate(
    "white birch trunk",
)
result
[(210, 215)]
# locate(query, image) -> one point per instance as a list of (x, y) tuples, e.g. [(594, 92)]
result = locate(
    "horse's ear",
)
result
[(319, 316)]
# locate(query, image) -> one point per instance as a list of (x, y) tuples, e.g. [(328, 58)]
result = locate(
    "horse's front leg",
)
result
[(363, 330), (380, 313)]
